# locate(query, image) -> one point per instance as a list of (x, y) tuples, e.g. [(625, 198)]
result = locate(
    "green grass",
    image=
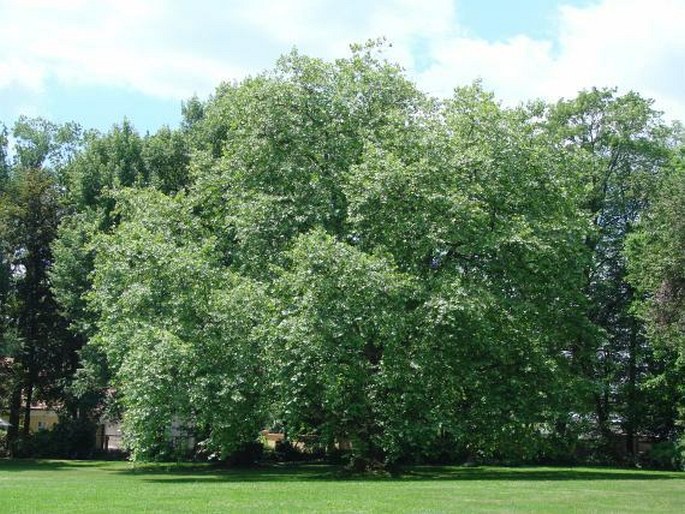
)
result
[(89, 486)]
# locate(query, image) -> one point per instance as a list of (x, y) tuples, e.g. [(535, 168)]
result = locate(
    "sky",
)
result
[(97, 62)]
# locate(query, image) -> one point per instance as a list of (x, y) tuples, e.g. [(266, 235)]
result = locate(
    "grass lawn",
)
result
[(92, 486)]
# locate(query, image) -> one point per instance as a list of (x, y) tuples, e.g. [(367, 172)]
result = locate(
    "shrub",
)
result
[(3, 444), (667, 455), (69, 439), (247, 455)]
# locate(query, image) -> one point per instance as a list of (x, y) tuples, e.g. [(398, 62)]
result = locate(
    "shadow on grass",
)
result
[(320, 472), (196, 473), (19, 465), (535, 474)]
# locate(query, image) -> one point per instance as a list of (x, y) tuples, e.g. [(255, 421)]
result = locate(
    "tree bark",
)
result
[(14, 418), (27, 410), (631, 396)]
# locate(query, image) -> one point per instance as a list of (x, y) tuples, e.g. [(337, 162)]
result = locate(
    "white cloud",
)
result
[(326, 28), (514, 69), (631, 44), (173, 48), (110, 42)]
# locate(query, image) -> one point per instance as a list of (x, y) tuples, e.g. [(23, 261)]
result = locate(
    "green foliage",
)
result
[(325, 248), (68, 439), (657, 260), (419, 270), (621, 146), (176, 328), (480, 209), (337, 350), (656, 265), (667, 455), (74, 254), (29, 215), (41, 143), (4, 162), (166, 156), (108, 162)]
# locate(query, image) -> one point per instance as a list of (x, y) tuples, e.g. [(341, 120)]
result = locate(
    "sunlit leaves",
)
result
[(344, 257)]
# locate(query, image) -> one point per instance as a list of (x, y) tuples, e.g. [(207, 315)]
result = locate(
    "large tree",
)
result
[(621, 146), (326, 248), (108, 163), (656, 260), (29, 214), (37, 350), (413, 260)]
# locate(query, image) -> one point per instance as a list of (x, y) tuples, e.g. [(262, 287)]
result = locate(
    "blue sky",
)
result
[(96, 62)]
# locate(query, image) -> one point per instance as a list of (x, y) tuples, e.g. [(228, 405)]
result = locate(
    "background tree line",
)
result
[(326, 249)]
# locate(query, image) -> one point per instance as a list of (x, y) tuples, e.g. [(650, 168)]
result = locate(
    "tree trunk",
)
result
[(14, 418), (27, 411), (631, 393)]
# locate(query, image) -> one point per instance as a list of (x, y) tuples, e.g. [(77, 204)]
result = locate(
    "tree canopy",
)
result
[(325, 249)]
